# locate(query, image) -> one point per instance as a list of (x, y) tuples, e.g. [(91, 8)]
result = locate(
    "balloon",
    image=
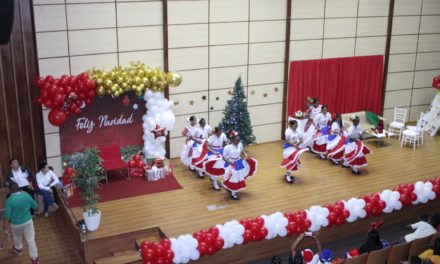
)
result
[(57, 117), (174, 79)]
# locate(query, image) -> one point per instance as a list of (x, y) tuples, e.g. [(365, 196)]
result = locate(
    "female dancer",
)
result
[(336, 141), (355, 150), (200, 151), (309, 128), (186, 154), (215, 150), (321, 123), (291, 152)]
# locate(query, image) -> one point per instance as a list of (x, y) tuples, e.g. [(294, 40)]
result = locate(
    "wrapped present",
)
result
[(155, 173)]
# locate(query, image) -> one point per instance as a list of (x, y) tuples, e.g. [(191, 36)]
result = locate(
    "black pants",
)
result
[(31, 193)]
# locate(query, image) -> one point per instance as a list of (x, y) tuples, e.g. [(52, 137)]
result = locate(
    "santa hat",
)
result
[(233, 133), (352, 253), (307, 255)]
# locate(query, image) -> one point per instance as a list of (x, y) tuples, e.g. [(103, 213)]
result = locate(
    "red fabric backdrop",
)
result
[(344, 84)]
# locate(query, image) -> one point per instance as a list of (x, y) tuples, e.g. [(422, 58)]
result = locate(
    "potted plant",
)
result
[(88, 174)]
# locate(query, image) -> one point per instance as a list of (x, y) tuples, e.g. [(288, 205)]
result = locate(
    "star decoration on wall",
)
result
[(158, 131), (230, 92), (191, 102), (176, 102), (275, 89), (217, 98), (253, 92), (212, 108), (265, 95), (204, 97)]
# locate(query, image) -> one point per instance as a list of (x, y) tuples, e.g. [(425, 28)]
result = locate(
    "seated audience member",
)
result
[(46, 179), (307, 256), (18, 214), (423, 228), (23, 177), (432, 255), (372, 243), (354, 252)]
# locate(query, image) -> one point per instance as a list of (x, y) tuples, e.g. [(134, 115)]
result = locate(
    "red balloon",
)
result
[(39, 100), (91, 94), (131, 163), (91, 85), (382, 205), (160, 250), (332, 217), (76, 111), (166, 243), (214, 231), (139, 164), (255, 226), (160, 260), (68, 89), (149, 255), (57, 117), (211, 250), (302, 213), (137, 157), (263, 232), (39, 81), (413, 196), (49, 79), (247, 236), (203, 248), (219, 242), (144, 245), (307, 223), (58, 99), (260, 221), (168, 255), (346, 213), (48, 103), (88, 101)]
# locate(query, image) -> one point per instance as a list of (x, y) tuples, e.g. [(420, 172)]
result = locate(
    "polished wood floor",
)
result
[(318, 181)]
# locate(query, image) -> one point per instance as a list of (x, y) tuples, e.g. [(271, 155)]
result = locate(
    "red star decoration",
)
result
[(158, 131)]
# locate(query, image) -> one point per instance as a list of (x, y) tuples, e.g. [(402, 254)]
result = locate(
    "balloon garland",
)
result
[(191, 247), (436, 82), (66, 95)]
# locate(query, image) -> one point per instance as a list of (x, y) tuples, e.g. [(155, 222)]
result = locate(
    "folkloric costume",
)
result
[(187, 149), (355, 150), (309, 130), (216, 143), (199, 149), (320, 143), (335, 143), (291, 154)]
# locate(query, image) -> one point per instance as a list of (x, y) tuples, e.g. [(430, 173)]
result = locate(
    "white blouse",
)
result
[(217, 142), (45, 181), (202, 132), (292, 136), (315, 111), (233, 151), (189, 130), (336, 129), (322, 120), (20, 177), (354, 132)]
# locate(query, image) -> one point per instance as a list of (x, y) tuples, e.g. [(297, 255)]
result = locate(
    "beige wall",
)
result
[(212, 42)]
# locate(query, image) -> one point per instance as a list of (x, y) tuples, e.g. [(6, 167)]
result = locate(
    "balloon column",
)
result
[(136, 166), (68, 94), (65, 95)]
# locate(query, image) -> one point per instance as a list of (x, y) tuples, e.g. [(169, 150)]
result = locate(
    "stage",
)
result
[(197, 206)]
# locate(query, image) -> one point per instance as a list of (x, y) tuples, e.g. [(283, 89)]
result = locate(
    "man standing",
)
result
[(23, 177), (17, 212)]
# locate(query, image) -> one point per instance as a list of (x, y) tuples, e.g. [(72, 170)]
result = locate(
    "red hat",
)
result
[(307, 255), (233, 133), (352, 253)]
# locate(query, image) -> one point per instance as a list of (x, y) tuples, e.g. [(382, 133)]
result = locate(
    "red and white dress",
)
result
[(309, 129), (291, 154), (355, 150), (336, 143), (199, 147), (187, 151), (238, 172), (215, 169), (320, 141)]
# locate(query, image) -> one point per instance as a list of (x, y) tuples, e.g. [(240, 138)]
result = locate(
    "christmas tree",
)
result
[(237, 116)]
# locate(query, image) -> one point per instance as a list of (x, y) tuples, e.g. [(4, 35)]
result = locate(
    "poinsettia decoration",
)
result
[(158, 131)]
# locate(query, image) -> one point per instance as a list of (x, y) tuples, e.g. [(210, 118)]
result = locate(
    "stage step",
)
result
[(121, 257)]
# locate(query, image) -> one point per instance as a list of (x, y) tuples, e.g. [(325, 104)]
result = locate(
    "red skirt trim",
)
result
[(203, 156)]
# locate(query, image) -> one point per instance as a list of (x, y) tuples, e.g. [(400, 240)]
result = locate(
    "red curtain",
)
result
[(344, 84)]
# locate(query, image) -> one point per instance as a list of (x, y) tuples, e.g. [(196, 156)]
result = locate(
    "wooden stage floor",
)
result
[(186, 210)]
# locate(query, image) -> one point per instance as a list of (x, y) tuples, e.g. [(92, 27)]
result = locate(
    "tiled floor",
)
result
[(54, 245)]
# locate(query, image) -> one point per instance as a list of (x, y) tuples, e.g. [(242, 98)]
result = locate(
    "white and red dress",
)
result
[(215, 169), (199, 149), (320, 141), (291, 154), (309, 129), (187, 148), (355, 150), (336, 143)]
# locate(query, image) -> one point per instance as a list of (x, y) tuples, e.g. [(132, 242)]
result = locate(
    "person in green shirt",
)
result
[(17, 212)]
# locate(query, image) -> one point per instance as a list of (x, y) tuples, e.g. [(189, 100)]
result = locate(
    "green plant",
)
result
[(88, 174), (128, 152)]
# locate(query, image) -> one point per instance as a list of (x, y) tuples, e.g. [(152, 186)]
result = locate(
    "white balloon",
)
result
[(195, 255)]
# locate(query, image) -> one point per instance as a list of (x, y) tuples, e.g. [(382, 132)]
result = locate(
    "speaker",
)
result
[(6, 20)]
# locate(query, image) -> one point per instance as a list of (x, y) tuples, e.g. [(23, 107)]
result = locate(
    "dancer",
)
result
[(237, 169), (186, 154), (199, 147), (215, 150), (321, 123), (291, 152), (336, 141), (309, 129), (355, 150)]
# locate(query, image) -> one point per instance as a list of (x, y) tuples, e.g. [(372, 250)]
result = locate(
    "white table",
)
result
[(379, 136)]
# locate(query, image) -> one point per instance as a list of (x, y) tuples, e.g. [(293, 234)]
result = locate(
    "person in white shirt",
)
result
[(309, 130), (186, 153), (46, 179), (423, 228), (321, 122), (199, 147), (292, 151), (336, 141), (215, 145), (24, 178), (355, 151)]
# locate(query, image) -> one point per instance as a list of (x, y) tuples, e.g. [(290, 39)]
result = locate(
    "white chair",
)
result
[(418, 128), (411, 137), (398, 124)]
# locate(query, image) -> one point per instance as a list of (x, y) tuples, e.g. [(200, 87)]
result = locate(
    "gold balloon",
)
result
[(137, 80), (119, 79), (124, 85), (108, 82), (148, 72), (99, 81), (174, 79), (153, 80), (140, 73), (146, 82), (101, 91), (161, 84)]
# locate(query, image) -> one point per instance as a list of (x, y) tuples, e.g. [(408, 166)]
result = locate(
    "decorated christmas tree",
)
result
[(237, 116)]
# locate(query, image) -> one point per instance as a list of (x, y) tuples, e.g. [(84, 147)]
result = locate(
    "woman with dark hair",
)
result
[(433, 254), (199, 147), (186, 154), (336, 141), (46, 179), (215, 150), (292, 151), (355, 151), (372, 243), (321, 123)]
